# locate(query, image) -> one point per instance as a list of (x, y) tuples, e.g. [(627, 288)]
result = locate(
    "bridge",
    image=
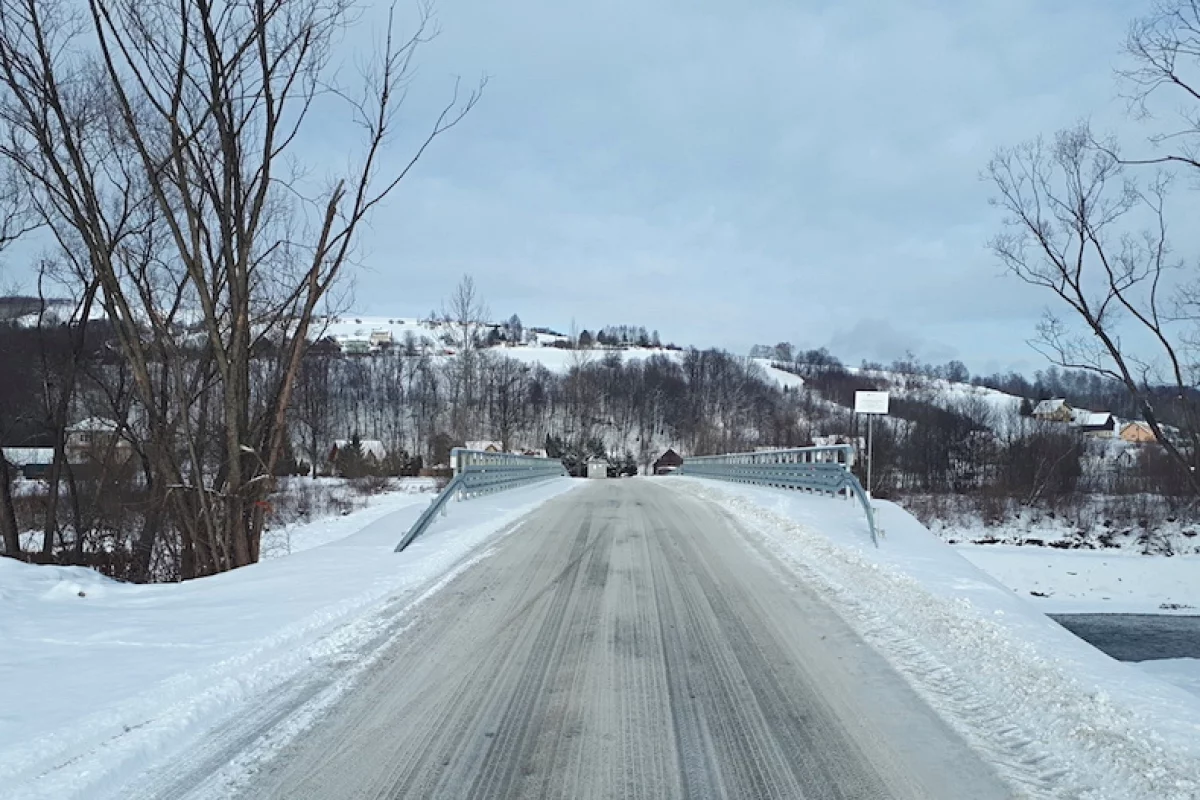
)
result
[(631, 639)]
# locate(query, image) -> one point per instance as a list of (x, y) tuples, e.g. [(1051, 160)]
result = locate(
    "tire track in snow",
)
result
[(627, 642)]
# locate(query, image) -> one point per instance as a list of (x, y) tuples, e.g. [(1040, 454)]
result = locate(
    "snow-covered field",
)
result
[(539, 351), (99, 677), (294, 537), (948, 394), (1092, 582), (1139, 524), (1061, 717), (558, 360)]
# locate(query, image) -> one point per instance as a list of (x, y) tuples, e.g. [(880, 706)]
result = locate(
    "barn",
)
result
[(668, 462)]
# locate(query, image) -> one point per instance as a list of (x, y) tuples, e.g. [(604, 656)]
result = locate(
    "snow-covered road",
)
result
[(652, 636), (627, 640)]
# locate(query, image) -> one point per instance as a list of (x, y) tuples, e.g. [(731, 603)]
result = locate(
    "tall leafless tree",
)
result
[(468, 314), (1164, 52), (16, 219), (159, 140), (1077, 227)]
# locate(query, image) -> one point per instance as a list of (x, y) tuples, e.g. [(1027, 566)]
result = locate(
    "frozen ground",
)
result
[(1093, 526), (1101, 582), (1009, 678), (97, 678), (294, 537), (1183, 672), (1090, 581)]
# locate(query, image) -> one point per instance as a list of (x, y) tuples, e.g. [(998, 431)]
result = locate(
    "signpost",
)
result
[(870, 403)]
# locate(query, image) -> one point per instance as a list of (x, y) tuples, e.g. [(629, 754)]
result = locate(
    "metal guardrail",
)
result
[(477, 473), (812, 469)]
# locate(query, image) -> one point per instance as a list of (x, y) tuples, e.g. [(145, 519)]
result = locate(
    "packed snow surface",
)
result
[(99, 678), (1057, 716)]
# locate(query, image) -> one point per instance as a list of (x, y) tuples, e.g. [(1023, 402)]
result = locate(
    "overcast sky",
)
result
[(732, 173), (738, 172)]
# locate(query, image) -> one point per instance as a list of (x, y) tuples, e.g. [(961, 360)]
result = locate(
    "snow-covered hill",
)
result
[(945, 393), (537, 346), (557, 359)]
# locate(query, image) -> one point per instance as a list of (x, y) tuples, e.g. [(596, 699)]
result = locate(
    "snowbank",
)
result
[(1092, 582), (1182, 672), (1053, 713), (99, 679)]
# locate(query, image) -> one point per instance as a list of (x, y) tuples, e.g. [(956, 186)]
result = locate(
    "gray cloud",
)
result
[(732, 173)]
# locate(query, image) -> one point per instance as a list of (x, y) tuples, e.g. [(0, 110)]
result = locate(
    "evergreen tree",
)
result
[(351, 459)]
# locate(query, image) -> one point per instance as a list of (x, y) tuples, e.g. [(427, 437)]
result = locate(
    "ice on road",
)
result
[(627, 641)]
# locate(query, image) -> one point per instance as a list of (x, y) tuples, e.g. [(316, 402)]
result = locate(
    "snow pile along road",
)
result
[(100, 680), (1054, 714)]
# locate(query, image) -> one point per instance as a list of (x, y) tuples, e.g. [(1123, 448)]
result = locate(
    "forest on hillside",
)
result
[(944, 436)]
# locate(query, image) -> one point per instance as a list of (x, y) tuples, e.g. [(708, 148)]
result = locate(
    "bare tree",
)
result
[(156, 138), (468, 314), (17, 218), (1077, 227), (1165, 50), (62, 361)]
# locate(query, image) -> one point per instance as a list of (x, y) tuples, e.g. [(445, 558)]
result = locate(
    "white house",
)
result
[(597, 468), (485, 446), (1055, 409), (92, 437)]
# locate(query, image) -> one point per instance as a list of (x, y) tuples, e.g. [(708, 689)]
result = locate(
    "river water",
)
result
[(1136, 637)]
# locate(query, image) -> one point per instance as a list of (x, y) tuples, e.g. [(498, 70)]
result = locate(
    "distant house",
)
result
[(355, 345), (597, 468), (31, 462), (485, 446), (1098, 424), (1054, 409), (380, 338), (1137, 432), (668, 462), (92, 438)]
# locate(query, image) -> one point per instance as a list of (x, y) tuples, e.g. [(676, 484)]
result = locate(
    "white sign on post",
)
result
[(871, 402)]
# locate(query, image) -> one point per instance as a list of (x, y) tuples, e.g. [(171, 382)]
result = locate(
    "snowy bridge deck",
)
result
[(629, 640)]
